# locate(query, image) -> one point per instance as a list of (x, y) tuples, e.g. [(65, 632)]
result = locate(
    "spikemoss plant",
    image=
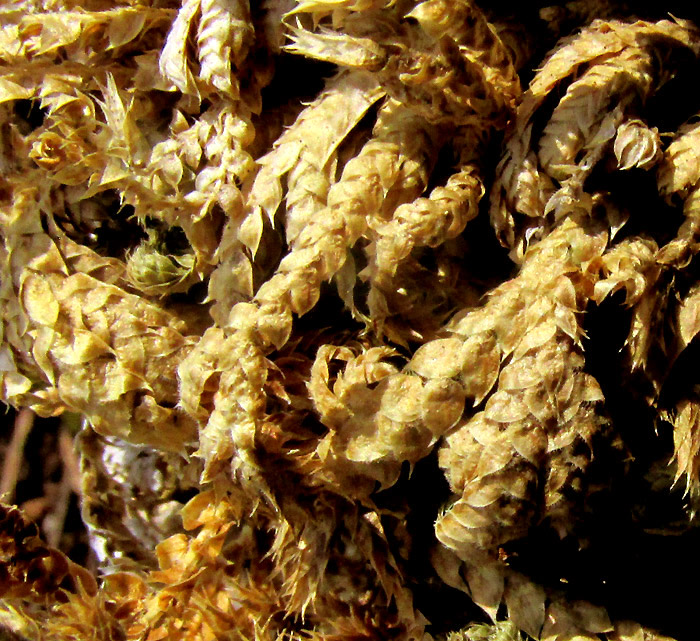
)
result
[(430, 258)]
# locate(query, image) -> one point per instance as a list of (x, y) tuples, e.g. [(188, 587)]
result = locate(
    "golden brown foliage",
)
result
[(424, 444)]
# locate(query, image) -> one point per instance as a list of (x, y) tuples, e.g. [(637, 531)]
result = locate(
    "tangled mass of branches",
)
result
[(381, 316)]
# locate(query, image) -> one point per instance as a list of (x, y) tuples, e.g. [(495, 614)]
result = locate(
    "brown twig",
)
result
[(13, 456), (54, 522), (71, 465)]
